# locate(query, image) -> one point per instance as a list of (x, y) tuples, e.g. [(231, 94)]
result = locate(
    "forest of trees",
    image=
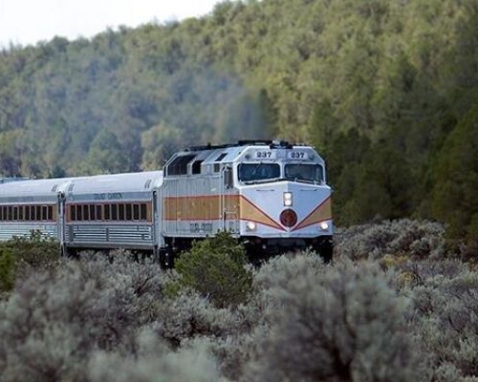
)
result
[(386, 90)]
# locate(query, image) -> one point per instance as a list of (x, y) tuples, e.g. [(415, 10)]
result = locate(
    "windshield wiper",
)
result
[(266, 180), (300, 180), (255, 169)]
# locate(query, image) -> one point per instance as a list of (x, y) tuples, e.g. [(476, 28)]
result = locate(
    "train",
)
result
[(271, 195)]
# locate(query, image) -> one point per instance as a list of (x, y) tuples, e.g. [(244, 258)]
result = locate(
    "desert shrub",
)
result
[(215, 267), (22, 255), (340, 323), (287, 270), (36, 250), (53, 320), (7, 270), (155, 361), (189, 316), (467, 251), (444, 313), (237, 349), (32, 253), (414, 239)]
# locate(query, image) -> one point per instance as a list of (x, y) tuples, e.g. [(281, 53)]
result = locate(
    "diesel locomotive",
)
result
[(271, 195)]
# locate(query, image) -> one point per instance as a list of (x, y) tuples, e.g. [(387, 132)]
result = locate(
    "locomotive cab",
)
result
[(271, 195), (285, 202)]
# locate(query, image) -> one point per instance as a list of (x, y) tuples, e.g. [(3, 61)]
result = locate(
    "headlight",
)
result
[(324, 226), (287, 199), (251, 226)]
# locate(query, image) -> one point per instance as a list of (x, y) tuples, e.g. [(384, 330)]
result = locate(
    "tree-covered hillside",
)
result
[(384, 89)]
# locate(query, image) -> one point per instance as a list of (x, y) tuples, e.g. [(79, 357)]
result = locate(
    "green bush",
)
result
[(36, 250), (20, 255), (215, 267), (7, 270)]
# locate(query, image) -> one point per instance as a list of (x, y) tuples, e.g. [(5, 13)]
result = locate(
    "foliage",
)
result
[(215, 267), (112, 318), (7, 270), (340, 324), (455, 180), (378, 86), (36, 251), (154, 361), (53, 320), (22, 255), (411, 238), (444, 313)]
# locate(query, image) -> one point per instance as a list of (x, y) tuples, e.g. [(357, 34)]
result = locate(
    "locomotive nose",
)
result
[(287, 209)]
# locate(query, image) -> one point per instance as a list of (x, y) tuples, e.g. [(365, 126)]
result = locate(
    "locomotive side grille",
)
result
[(111, 234), (7, 231)]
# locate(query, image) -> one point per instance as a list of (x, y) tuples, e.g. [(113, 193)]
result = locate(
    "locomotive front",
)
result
[(284, 201)]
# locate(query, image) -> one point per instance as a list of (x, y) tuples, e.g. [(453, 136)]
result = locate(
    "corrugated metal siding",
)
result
[(7, 231), (195, 207), (110, 235)]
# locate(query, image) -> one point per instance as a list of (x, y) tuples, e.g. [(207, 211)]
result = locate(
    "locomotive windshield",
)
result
[(304, 172), (251, 172)]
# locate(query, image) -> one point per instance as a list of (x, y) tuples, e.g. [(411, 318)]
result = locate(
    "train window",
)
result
[(32, 213), (143, 215), (179, 166), (197, 167), (98, 213), (228, 178), (44, 215), (38, 212), (220, 157), (10, 213), (251, 172), (50, 213), (20, 213), (129, 216), (1, 213), (72, 213), (79, 212), (92, 212), (305, 172), (107, 212), (121, 212), (27, 213), (114, 212), (217, 167), (15, 213), (86, 212), (135, 211)]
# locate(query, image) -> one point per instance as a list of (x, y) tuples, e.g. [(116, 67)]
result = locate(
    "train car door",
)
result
[(61, 222), (228, 205)]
